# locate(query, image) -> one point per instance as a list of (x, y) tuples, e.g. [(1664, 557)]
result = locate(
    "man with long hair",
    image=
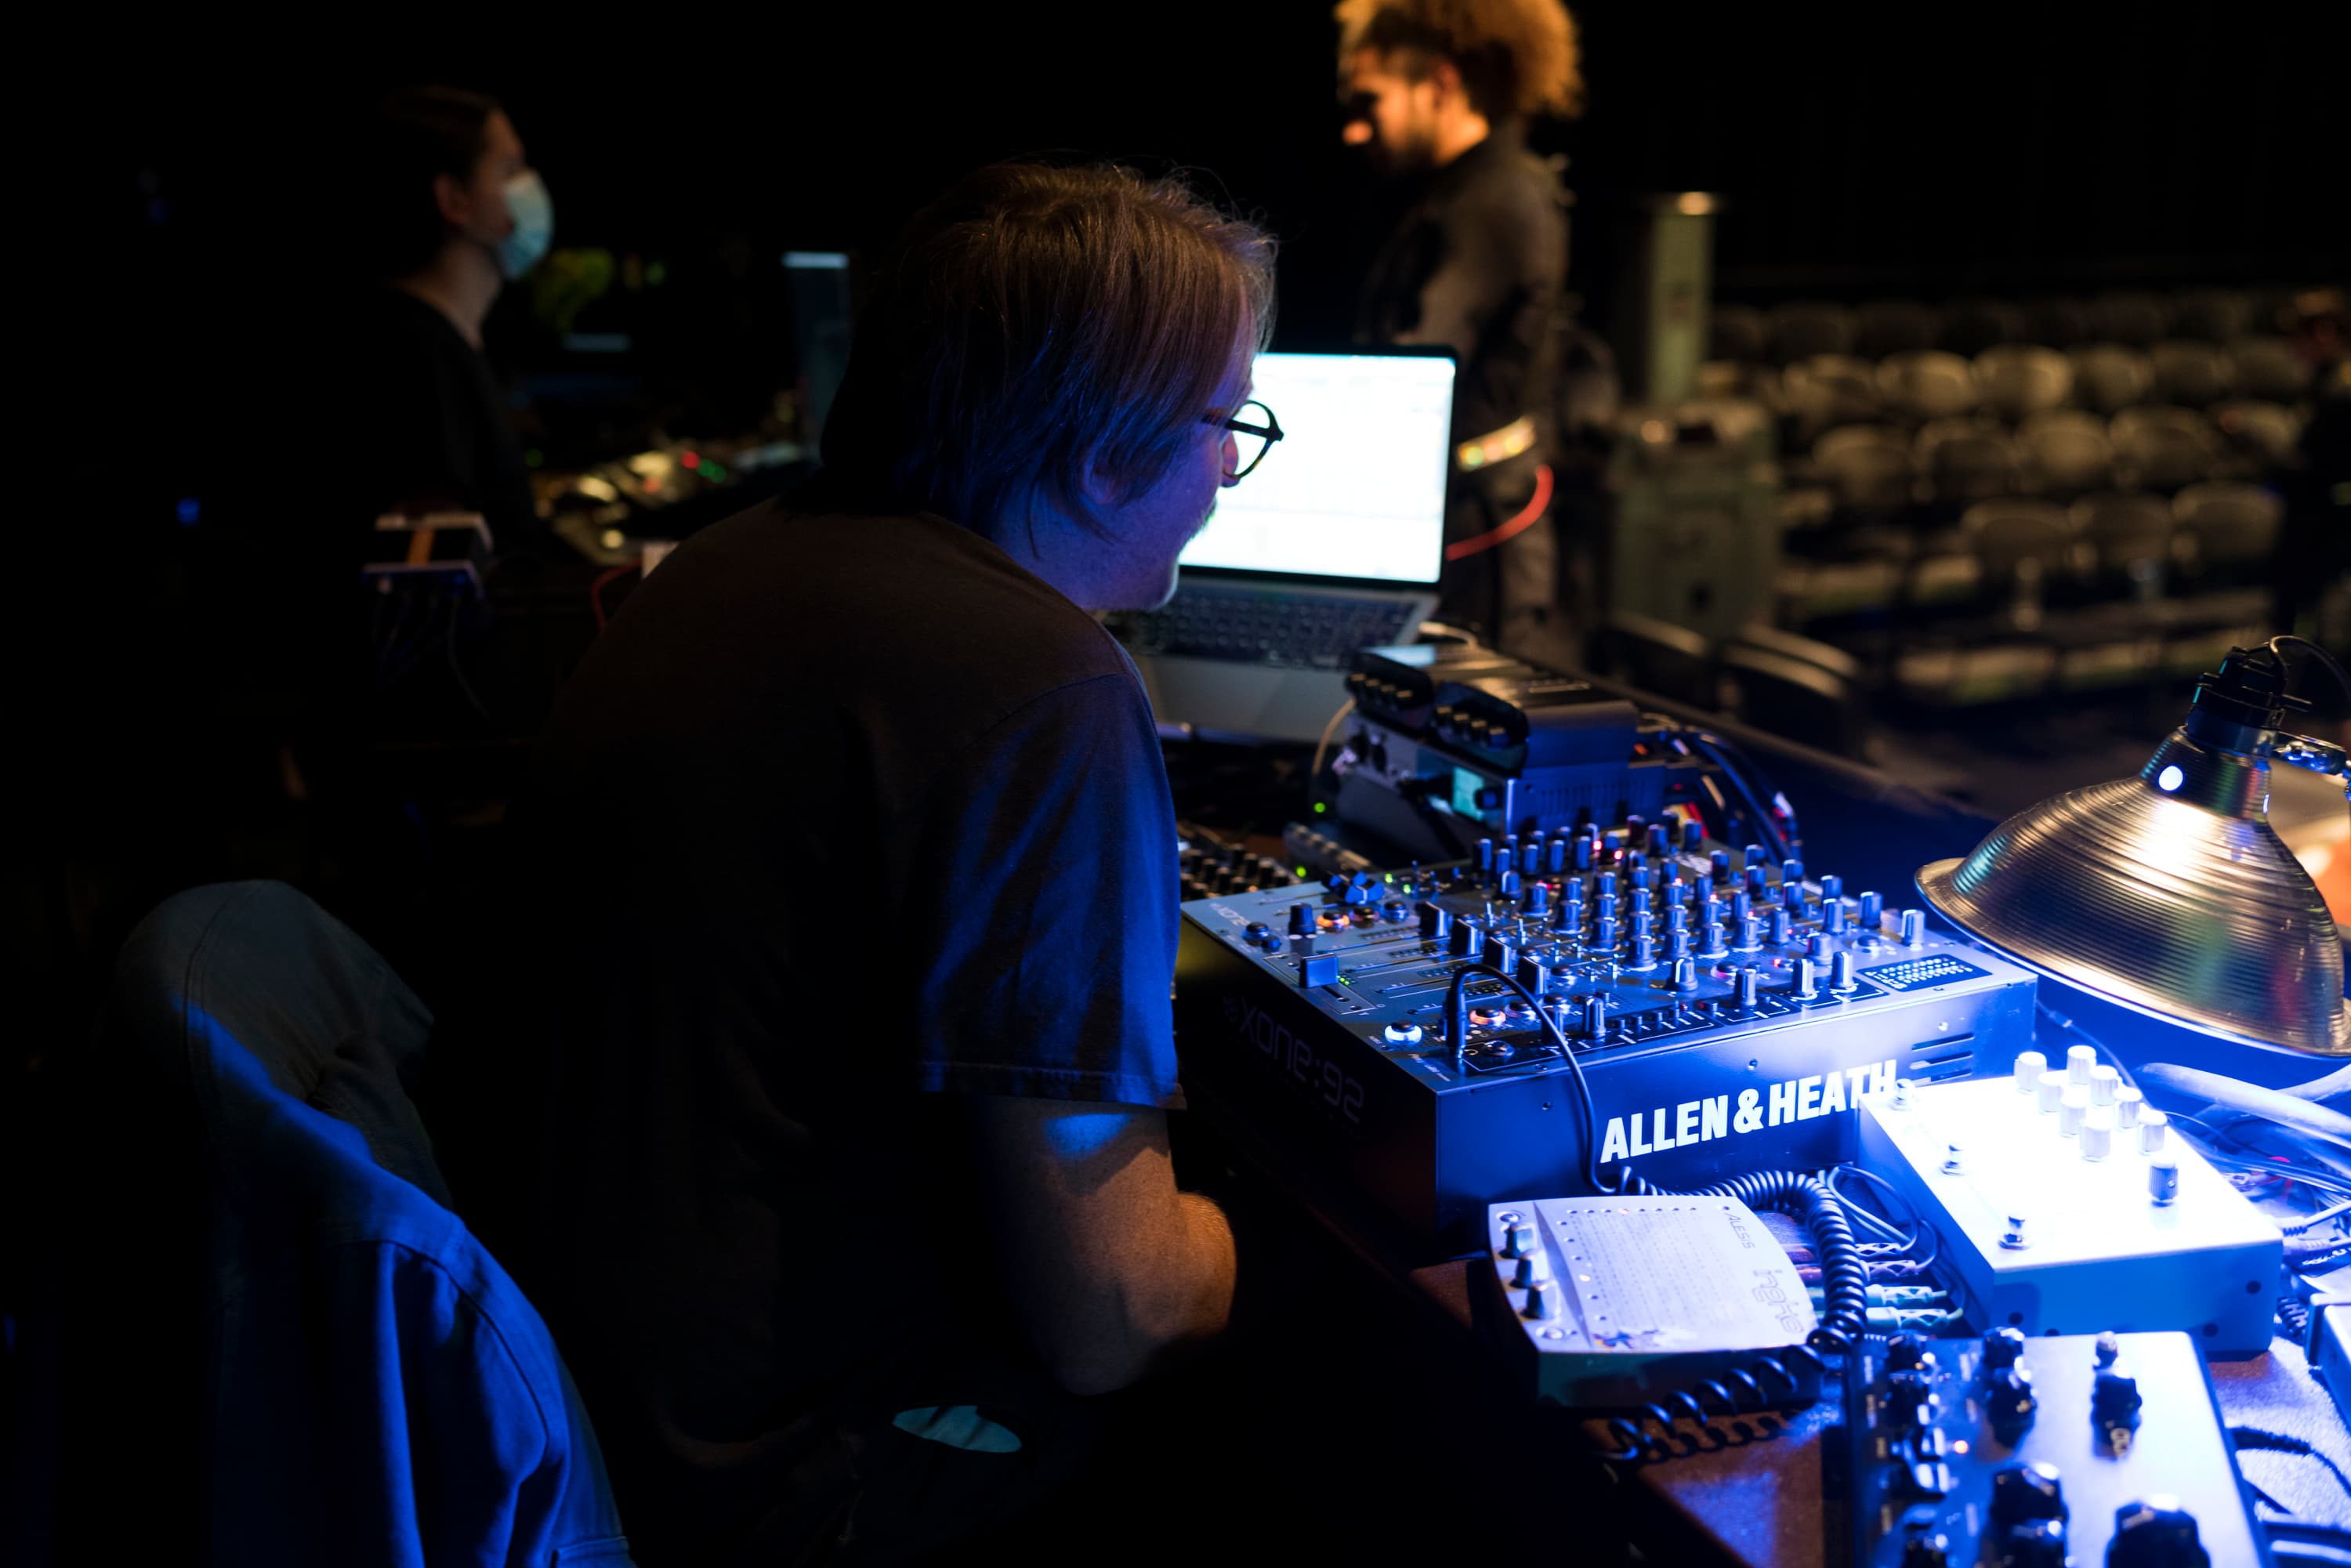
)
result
[(1440, 92)]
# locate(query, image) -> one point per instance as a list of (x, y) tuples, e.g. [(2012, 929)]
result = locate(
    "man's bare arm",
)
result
[(1108, 1265)]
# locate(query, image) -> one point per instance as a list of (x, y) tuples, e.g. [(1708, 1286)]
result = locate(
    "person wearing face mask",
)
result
[(449, 212)]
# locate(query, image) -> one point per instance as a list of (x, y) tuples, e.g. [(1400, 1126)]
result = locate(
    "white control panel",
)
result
[(2067, 1205), (1621, 1299)]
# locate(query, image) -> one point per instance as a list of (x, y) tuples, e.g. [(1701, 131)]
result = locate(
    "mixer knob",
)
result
[(1595, 1017), (1435, 920), (1750, 988), (1501, 952), (1255, 931), (1677, 917), (1906, 1351), (2103, 1081), (2129, 1106), (1758, 884), (1505, 857), (1607, 904), (2097, 1134), (2114, 1397), (1677, 945), (1710, 911), (1832, 916), (2030, 1066), (1792, 874), (1751, 934), (1336, 882), (1741, 906), (2072, 1107), (1532, 1270), (1642, 878), (1584, 853), (1752, 855), (2036, 1543), (1782, 928), (1542, 1299), (1485, 854), (2022, 1492), (1807, 980), (1832, 889), (1817, 947), (2156, 1533), (2079, 1061), (1873, 911), (1518, 1237), (1678, 890), (1644, 924), (1791, 897), (1840, 975), (1403, 1036), (1914, 927), (1718, 866), (1604, 933), (1685, 973), (2009, 1404), (2151, 1126), (2051, 1092), (1931, 1550), (1302, 920), (1692, 834), (2001, 1347), (1716, 947), (1644, 953), (1538, 898), (1534, 974)]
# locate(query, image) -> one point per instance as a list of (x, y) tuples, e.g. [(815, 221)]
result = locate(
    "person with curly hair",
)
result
[(1441, 91)]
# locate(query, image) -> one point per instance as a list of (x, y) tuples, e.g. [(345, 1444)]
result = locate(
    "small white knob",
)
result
[(1532, 1270), (2030, 1066), (2105, 1082), (2053, 1091), (1955, 1159), (2097, 1134), (1518, 1239), (2151, 1123), (2128, 1104), (2079, 1060), (1542, 1299), (2071, 1108)]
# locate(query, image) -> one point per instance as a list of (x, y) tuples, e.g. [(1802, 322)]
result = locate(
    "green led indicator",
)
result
[(1320, 808)]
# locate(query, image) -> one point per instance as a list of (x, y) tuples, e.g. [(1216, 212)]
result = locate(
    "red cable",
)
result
[(596, 591), (1464, 549)]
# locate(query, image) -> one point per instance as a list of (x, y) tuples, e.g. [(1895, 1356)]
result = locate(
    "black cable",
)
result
[(2341, 677), (2293, 1317), (1457, 1039), (2279, 1443), (2092, 1040)]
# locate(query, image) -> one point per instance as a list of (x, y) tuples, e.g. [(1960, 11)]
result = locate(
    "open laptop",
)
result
[(1333, 543)]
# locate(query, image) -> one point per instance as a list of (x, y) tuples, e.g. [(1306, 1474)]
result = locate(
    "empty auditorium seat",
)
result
[(1977, 466), (1829, 390), (1869, 468), (2110, 377), (2191, 374), (1972, 326), (1928, 384), (2017, 380), (1887, 327), (1740, 334), (2136, 320), (2162, 448), (2066, 451), (2268, 368), (2128, 533), (1794, 698), (2021, 546), (1805, 328), (2260, 434), (1740, 380), (1657, 657), (2060, 323), (2226, 530), (2216, 315)]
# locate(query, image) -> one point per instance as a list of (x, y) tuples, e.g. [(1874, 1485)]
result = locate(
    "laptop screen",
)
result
[(1355, 487)]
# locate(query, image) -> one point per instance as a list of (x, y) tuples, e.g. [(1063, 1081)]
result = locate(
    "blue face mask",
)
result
[(532, 210)]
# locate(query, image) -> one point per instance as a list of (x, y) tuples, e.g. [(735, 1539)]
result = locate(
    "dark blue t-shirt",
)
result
[(846, 814)]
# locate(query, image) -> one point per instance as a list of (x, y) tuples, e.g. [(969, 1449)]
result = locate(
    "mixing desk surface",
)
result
[(1725, 1012)]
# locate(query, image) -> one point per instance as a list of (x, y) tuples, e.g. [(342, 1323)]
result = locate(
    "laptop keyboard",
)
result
[(1254, 626)]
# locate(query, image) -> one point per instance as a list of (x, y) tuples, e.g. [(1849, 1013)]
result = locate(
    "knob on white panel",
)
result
[(1518, 1239), (1532, 1270), (2097, 1134), (2072, 1106), (2052, 1089), (2162, 1180), (2079, 1061), (1542, 1299), (2030, 1066), (2103, 1083), (2128, 1105), (2151, 1123)]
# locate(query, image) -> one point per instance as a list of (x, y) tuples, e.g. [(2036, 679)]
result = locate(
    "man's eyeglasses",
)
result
[(1255, 430)]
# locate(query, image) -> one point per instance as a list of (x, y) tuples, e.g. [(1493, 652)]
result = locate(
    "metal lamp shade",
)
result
[(2168, 893)]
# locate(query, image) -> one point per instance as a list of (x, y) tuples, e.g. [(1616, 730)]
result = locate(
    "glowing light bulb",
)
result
[(2169, 779)]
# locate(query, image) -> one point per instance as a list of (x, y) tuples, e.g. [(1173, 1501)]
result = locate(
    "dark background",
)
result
[(2007, 150)]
